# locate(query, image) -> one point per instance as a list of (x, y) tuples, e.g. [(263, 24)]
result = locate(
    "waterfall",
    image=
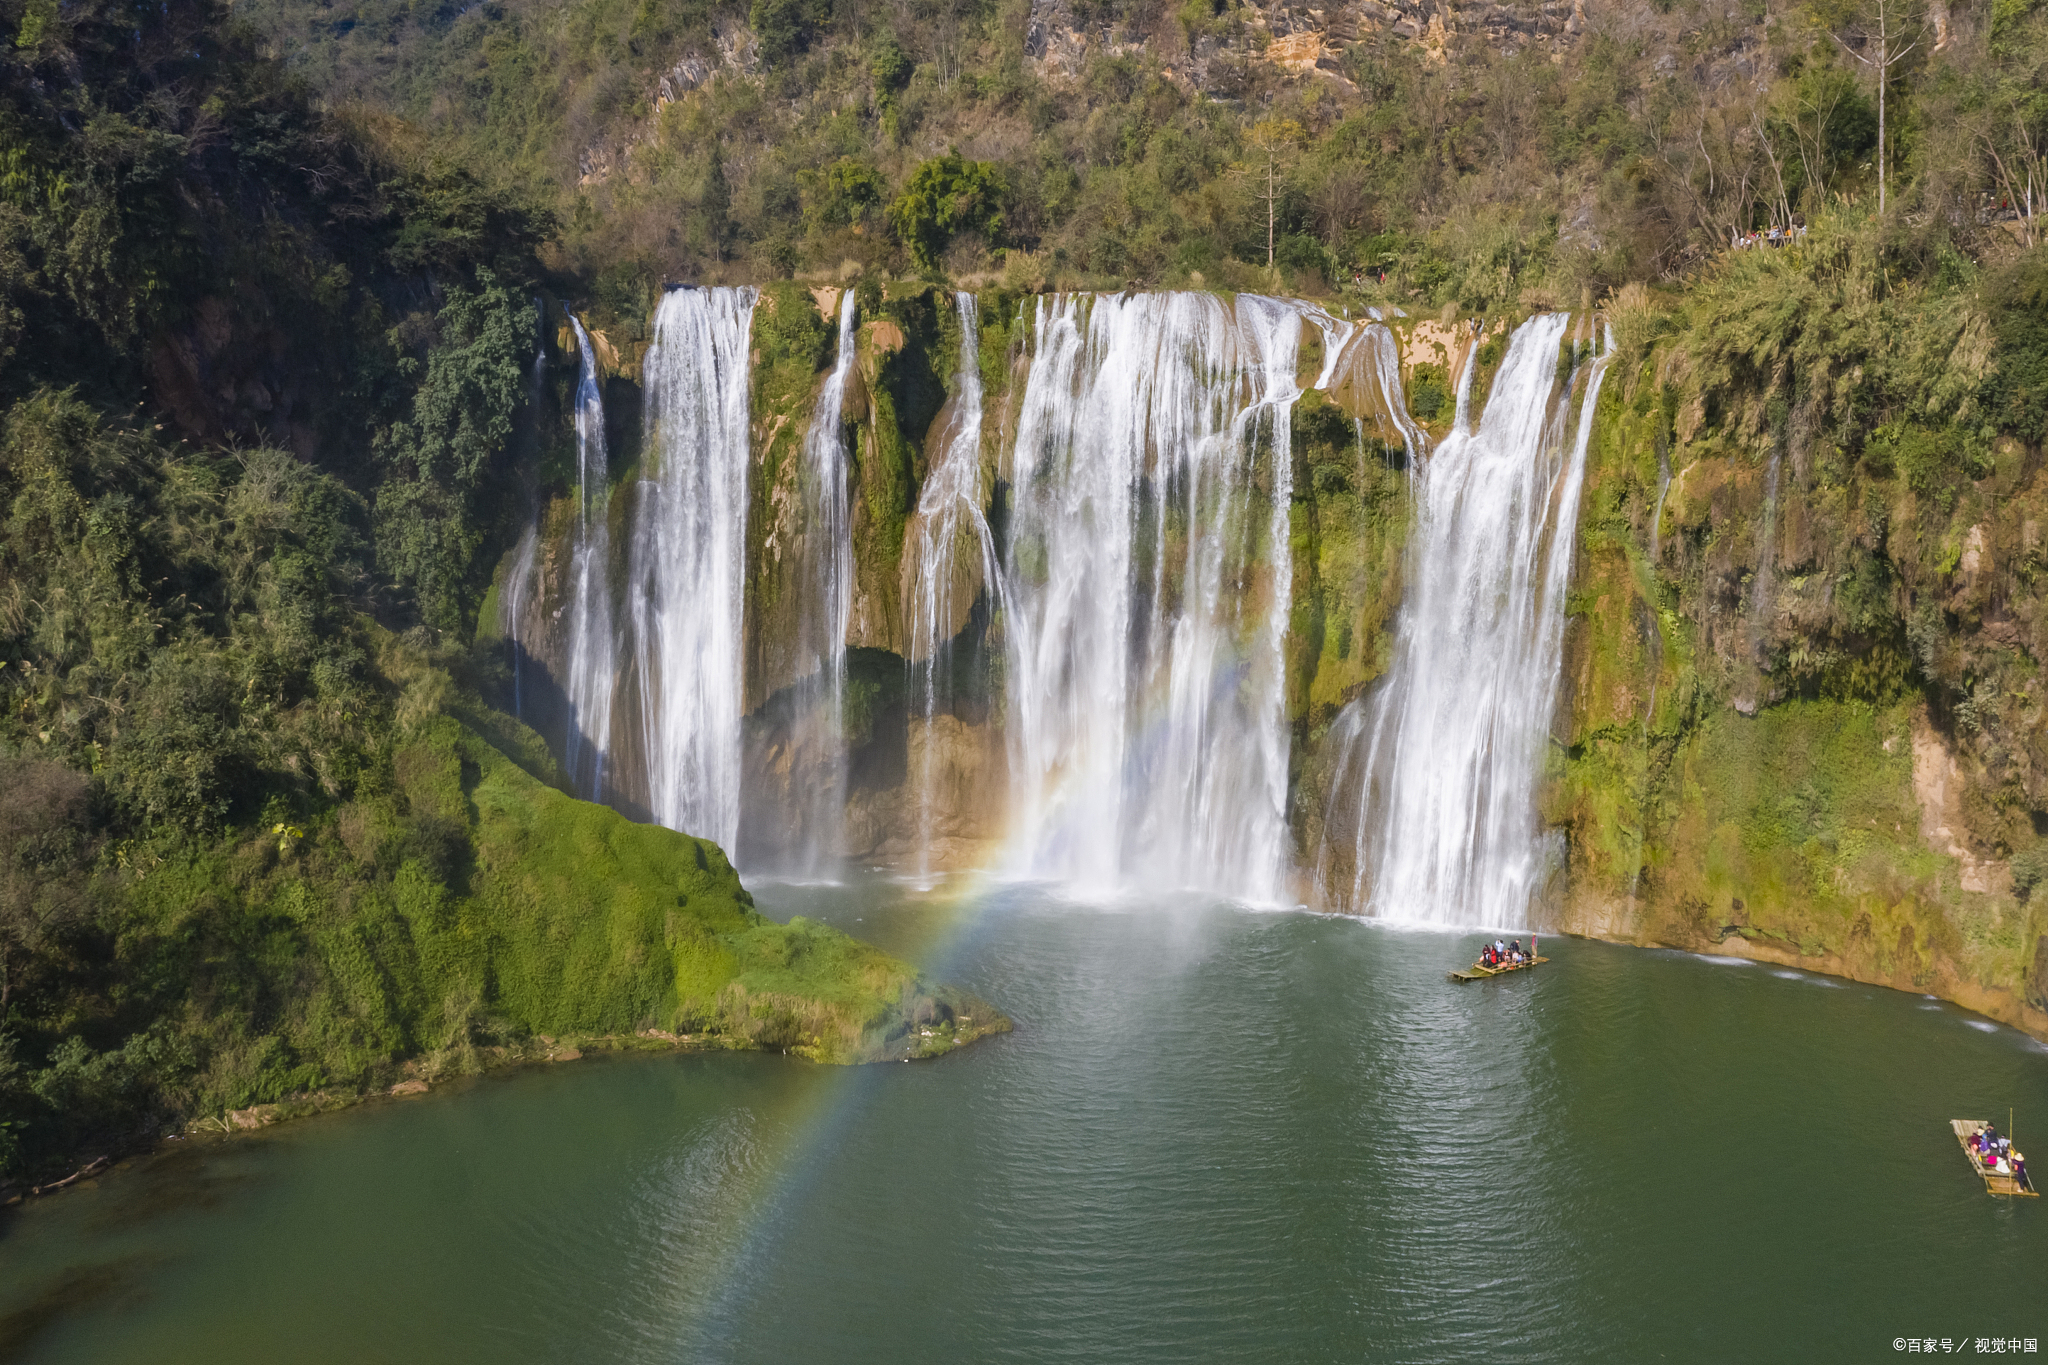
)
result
[(593, 652), (1439, 763), (687, 574), (952, 560), (818, 731), (512, 616), (1146, 592), (1368, 366)]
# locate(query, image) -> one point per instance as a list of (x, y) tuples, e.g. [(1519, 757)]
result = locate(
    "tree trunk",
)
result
[(1883, 71), (1269, 213)]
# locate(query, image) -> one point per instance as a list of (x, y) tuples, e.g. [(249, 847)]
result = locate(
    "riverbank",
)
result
[(1769, 947), (422, 1075)]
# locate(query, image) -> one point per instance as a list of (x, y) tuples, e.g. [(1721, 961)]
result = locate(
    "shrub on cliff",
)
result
[(789, 329), (432, 509), (2016, 395)]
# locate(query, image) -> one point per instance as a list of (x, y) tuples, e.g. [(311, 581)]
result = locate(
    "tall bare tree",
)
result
[(1890, 30), (1276, 140)]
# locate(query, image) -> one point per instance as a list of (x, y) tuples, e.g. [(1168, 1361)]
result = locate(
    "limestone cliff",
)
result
[(1758, 751)]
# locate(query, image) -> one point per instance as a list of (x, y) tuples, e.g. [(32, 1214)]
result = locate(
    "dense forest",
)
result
[(267, 332)]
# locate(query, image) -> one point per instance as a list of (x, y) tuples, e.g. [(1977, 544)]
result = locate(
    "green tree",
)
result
[(431, 509), (845, 192), (946, 196), (786, 28)]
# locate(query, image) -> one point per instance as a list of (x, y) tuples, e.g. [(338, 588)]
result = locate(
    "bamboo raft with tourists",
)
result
[(2003, 1168), (1498, 959)]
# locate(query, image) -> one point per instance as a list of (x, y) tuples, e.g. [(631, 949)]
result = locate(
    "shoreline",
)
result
[(421, 1075), (2000, 1004)]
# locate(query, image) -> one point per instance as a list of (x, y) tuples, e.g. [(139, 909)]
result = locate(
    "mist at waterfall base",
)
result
[(1216, 1135)]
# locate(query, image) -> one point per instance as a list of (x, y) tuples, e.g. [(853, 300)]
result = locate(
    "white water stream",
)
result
[(686, 589), (519, 581), (512, 616), (593, 648), (952, 556), (823, 615), (1431, 812), (1147, 590)]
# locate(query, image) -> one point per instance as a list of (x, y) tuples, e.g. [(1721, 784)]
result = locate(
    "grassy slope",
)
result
[(574, 919)]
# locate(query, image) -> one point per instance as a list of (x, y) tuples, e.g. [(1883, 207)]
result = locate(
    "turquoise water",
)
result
[(1215, 1135)]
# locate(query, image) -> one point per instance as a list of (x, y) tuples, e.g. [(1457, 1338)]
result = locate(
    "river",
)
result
[(1216, 1134)]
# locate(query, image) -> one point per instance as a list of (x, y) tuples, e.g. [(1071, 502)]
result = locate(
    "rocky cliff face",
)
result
[(1754, 758), (1215, 53)]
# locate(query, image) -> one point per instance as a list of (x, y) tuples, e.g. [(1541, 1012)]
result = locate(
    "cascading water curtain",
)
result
[(952, 558), (823, 615), (1431, 811), (1147, 591), (593, 650), (1382, 352), (687, 570)]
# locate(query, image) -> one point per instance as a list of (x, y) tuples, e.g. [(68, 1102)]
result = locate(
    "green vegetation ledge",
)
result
[(462, 916), (578, 921)]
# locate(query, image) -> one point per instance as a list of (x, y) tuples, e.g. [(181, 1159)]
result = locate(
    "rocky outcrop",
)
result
[(731, 51), (1214, 56)]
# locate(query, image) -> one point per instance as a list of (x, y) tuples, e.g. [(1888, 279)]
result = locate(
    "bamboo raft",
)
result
[(1994, 1183), (1479, 971)]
